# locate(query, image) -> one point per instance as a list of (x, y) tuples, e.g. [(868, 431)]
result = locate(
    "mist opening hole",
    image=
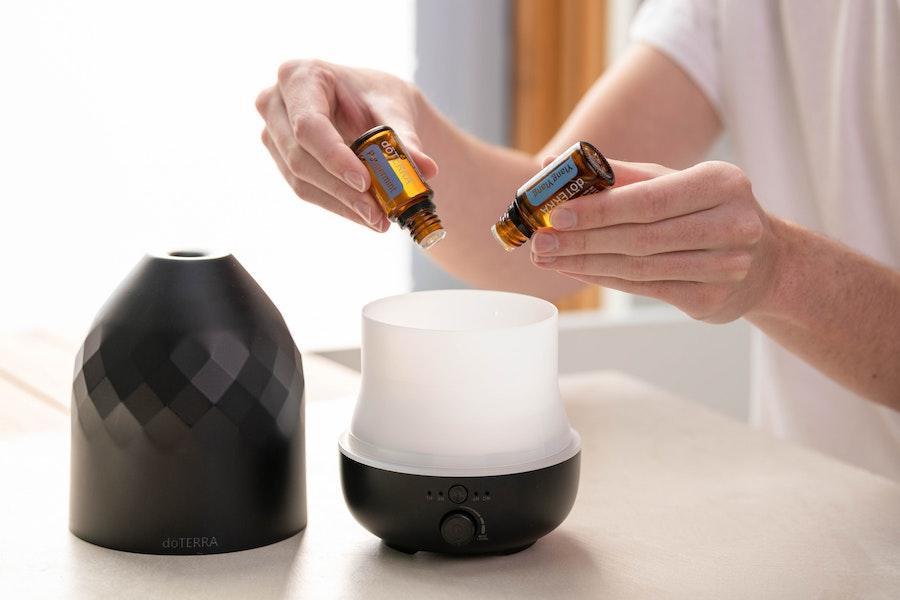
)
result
[(188, 253)]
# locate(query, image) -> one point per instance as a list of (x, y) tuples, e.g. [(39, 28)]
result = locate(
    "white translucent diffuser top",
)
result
[(460, 382)]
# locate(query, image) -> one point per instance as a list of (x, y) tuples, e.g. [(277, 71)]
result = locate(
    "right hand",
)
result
[(315, 110)]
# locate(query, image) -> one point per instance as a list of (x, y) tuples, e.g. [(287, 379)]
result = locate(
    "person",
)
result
[(801, 236)]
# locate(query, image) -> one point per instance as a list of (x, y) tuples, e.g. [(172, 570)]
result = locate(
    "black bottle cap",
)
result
[(359, 141)]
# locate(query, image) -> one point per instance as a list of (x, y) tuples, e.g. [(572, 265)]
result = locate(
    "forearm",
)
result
[(836, 309), (645, 109), (475, 184)]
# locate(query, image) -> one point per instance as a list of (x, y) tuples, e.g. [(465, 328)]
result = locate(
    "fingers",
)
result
[(690, 238), (704, 266), (632, 172), (426, 165), (312, 193), (626, 172), (701, 301), (306, 168), (307, 89), (399, 116), (672, 291), (709, 229), (662, 197)]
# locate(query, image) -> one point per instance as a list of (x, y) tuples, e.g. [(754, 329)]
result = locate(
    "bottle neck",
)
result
[(511, 231), (423, 224), (515, 217)]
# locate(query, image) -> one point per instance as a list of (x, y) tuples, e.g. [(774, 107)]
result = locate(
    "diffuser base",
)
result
[(412, 551), (185, 545), (499, 514)]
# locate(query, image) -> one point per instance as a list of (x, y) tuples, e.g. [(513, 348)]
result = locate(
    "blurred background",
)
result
[(127, 127)]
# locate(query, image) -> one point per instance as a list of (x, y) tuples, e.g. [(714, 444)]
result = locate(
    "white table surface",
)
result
[(675, 502)]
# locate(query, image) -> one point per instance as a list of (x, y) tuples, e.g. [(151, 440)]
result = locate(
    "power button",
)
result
[(458, 494)]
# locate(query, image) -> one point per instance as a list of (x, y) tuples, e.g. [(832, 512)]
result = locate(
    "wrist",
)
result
[(784, 279), (423, 112)]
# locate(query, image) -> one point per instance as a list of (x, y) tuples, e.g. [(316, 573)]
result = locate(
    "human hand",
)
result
[(312, 113), (696, 239)]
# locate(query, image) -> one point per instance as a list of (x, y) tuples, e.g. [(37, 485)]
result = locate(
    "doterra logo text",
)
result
[(567, 193), (179, 543)]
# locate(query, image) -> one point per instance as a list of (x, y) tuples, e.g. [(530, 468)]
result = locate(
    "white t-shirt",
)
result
[(809, 92)]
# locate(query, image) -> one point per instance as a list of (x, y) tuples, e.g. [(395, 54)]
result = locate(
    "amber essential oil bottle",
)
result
[(398, 186), (578, 171)]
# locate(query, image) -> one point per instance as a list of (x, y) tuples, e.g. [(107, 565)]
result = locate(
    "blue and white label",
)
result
[(378, 164), (552, 182)]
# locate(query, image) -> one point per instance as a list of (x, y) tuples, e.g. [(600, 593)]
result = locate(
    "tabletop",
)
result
[(675, 501)]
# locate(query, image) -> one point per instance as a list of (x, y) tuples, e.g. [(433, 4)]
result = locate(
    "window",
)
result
[(130, 127)]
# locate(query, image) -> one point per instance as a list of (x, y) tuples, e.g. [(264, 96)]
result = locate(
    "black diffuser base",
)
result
[(500, 514), (412, 551), (185, 545)]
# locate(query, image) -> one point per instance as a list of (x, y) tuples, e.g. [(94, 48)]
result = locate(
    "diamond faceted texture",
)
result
[(160, 387)]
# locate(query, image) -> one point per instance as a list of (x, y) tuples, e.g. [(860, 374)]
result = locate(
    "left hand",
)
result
[(697, 239)]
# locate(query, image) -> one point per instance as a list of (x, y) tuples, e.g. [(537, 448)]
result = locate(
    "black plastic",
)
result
[(187, 414), (416, 512), (424, 204), (458, 528), (355, 144)]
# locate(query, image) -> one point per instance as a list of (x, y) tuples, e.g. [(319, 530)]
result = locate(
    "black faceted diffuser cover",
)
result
[(187, 414)]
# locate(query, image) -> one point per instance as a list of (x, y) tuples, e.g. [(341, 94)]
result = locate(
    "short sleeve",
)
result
[(687, 32)]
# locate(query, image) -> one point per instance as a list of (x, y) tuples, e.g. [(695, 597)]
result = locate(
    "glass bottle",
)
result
[(398, 186), (578, 171)]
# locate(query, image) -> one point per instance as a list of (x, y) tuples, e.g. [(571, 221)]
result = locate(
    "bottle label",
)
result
[(384, 174), (552, 182)]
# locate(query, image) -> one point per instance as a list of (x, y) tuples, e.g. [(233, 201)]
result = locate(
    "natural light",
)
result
[(131, 127)]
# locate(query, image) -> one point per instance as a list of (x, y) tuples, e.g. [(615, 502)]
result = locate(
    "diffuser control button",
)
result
[(458, 529), (458, 494)]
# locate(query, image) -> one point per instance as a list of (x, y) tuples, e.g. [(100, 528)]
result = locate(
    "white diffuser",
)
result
[(459, 442)]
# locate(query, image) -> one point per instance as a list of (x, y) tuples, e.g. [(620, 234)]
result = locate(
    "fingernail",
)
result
[(544, 242), (562, 218), (365, 211), (543, 260), (355, 180)]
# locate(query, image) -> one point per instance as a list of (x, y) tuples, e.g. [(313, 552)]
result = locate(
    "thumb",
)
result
[(626, 172), (632, 172), (427, 166), (401, 122)]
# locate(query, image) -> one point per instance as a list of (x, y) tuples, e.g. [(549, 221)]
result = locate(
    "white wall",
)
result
[(128, 126), (658, 344)]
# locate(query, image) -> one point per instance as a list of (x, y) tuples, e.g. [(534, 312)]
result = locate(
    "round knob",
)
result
[(458, 528)]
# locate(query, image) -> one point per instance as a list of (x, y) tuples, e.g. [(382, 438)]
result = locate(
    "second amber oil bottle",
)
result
[(578, 171), (398, 186)]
